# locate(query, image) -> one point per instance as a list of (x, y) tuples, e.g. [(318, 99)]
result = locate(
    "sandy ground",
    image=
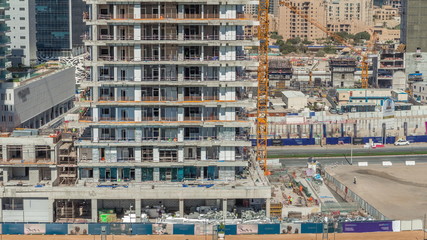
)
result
[(416, 235), (399, 192)]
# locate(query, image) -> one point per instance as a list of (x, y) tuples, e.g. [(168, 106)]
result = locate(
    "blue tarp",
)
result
[(96, 228), (268, 228), (57, 229), (229, 229), (311, 227), (184, 229), (13, 228), (142, 229), (422, 138), (332, 141)]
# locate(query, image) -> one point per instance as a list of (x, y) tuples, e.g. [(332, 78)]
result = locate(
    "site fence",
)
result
[(204, 229), (337, 140), (347, 194)]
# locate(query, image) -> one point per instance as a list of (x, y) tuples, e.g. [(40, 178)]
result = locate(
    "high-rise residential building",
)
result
[(291, 25), (350, 16), (23, 32), (166, 103), (59, 27), (4, 41)]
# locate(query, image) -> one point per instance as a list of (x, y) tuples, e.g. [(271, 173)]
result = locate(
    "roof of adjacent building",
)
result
[(290, 94)]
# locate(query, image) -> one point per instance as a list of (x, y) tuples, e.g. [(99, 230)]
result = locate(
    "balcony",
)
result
[(193, 98), (106, 98)]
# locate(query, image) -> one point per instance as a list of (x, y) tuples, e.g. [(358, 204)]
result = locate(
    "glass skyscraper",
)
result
[(4, 41), (59, 27)]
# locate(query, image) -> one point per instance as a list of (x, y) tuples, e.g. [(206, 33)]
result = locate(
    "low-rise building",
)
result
[(375, 96), (342, 71), (294, 99), (34, 101), (419, 90)]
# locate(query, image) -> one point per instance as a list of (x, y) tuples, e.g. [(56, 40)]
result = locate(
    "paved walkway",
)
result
[(409, 235)]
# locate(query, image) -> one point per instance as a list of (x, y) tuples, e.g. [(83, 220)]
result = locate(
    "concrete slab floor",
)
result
[(399, 192)]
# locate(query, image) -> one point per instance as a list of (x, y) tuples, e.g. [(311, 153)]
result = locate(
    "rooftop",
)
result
[(290, 94)]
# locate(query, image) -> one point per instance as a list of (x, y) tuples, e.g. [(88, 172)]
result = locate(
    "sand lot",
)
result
[(399, 192)]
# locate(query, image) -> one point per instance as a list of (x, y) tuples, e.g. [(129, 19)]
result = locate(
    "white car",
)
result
[(401, 142)]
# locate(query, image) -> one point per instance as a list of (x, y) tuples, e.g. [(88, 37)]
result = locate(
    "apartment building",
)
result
[(338, 16), (166, 100), (291, 25), (350, 16), (23, 32)]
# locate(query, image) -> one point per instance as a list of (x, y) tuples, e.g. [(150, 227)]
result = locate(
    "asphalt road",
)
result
[(302, 162), (345, 149)]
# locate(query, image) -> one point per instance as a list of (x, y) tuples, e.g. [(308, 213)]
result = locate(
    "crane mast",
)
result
[(262, 97)]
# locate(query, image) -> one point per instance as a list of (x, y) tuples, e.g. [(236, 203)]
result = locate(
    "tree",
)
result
[(286, 48), (320, 53), (362, 35), (293, 41), (306, 42)]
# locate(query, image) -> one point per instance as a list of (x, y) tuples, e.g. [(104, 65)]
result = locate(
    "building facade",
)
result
[(23, 32), (4, 41), (291, 25), (338, 16), (350, 16), (59, 27), (413, 29)]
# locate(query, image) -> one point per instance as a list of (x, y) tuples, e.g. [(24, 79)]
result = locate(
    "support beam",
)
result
[(138, 210), (94, 211), (181, 207), (224, 209), (267, 207)]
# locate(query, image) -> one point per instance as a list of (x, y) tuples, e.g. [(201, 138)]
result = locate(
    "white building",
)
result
[(294, 99), (22, 32), (34, 101)]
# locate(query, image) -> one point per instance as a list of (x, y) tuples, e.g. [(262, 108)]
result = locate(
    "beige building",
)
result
[(386, 16), (291, 25), (351, 16)]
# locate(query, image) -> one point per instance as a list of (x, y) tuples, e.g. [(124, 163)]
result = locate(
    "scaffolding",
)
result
[(67, 163)]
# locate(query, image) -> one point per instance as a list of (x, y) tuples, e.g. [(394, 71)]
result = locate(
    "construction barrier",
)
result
[(268, 228), (206, 229), (359, 227)]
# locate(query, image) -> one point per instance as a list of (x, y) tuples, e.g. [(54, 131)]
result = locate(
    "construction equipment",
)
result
[(263, 86), (364, 55)]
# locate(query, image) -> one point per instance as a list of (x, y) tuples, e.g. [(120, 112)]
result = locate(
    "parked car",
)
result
[(333, 111), (401, 142)]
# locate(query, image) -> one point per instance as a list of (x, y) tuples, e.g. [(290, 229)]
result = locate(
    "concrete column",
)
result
[(1, 210), (95, 93), (203, 153), (94, 204), (180, 154), (202, 173), (267, 207), (34, 175), (115, 32), (156, 154), (96, 174), (224, 208), (53, 173), (5, 175), (156, 174), (115, 53), (181, 207), (115, 11), (51, 209), (180, 133), (4, 152), (138, 154), (94, 9), (138, 209), (138, 174)]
